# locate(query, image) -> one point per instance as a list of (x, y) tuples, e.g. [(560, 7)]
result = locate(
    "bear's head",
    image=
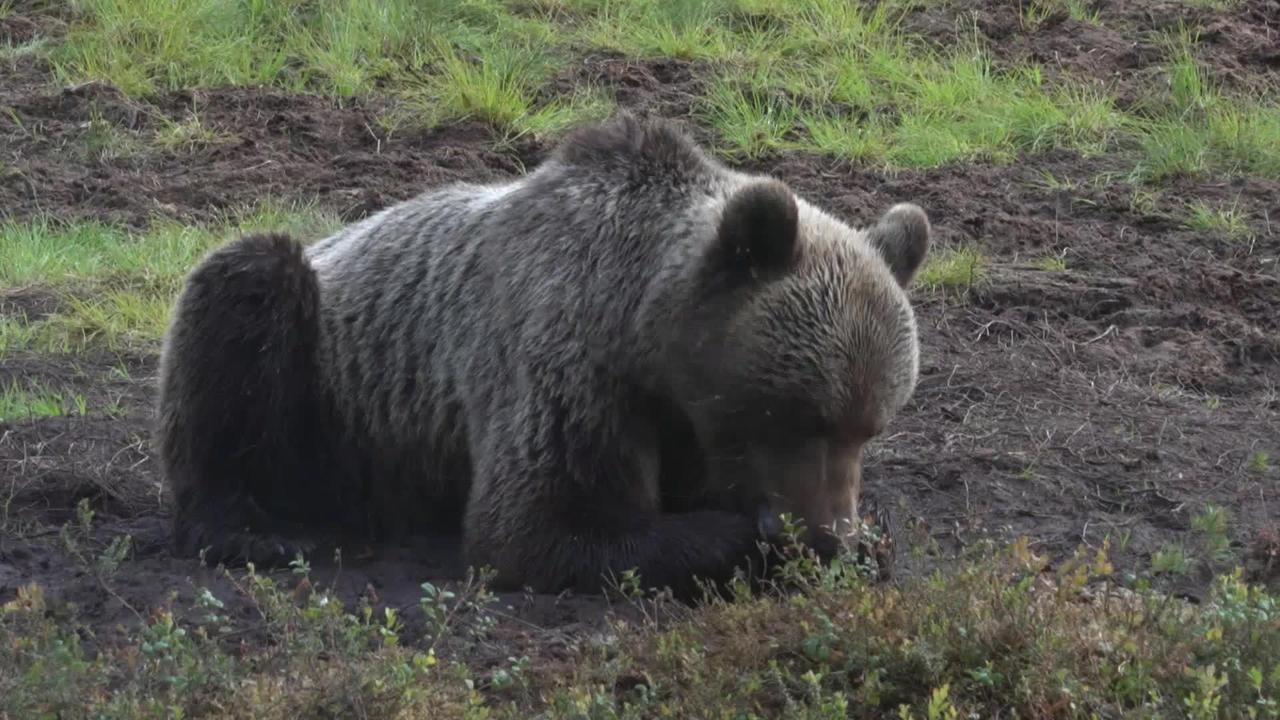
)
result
[(803, 347)]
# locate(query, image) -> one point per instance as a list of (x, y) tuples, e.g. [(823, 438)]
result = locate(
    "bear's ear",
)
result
[(759, 229), (902, 237)]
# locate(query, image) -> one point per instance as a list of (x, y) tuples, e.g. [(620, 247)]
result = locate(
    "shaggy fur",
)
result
[(632, 357)]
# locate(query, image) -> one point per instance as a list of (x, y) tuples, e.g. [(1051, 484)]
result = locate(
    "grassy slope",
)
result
[(824, 76), (817, 76)]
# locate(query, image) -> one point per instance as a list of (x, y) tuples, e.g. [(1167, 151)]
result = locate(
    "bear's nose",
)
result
[(825, 544), (768, 524)]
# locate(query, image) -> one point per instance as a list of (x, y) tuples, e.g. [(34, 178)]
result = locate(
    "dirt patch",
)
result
[(269, 144), (1110, 398), (1125, 46), (1115, 397)]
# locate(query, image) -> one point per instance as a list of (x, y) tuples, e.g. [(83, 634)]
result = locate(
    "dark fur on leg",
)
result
[(238, 426)]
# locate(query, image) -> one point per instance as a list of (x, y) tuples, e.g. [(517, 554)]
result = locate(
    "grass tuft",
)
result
[(34, 401), (189, 134), (684, 29), (1231, 221), (751, 123), (1260, 462), (953, 269), (1052, 263), (497, 83)]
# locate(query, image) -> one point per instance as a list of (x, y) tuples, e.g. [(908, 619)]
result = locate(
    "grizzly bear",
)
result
[(631, 358)]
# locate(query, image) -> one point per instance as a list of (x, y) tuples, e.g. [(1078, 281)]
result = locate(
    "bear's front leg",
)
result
[(549, 534)]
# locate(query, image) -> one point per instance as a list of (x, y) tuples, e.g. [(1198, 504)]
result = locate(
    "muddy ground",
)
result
[(1114, 398)]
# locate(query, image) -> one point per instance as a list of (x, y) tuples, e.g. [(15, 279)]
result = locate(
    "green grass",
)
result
[(117, 286), (343, 48), (1171, 560), (113, 320), (1195, 128), (686, 29), (189, 134), (1260, 462), (953, 269), (1052, 263), (104, 141), (497, 83), (1231, 221), (335, 46), (825, 76), (51, 252), (13, 51), (31, 401), (851, 84), (15, 334), (1037, 11)]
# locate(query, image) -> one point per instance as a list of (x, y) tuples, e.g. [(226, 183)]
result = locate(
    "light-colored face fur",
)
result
[(815, 363)]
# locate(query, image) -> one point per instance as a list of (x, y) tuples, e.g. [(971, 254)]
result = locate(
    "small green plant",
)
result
[(1081, 10), (12, 51), (1052, 263), (953, 269), (104, 141), (1171, 560), (1036, 12), (31, 402), (188, 135), (1260, 462), (1144, 201), (1052, 182), (1230, 221), (1211, 524), (15, 335)]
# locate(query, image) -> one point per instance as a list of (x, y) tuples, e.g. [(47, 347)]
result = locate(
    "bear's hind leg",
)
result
[(240, 415)]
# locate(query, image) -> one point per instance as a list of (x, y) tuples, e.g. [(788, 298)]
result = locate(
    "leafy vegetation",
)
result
[(1001, 631)]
